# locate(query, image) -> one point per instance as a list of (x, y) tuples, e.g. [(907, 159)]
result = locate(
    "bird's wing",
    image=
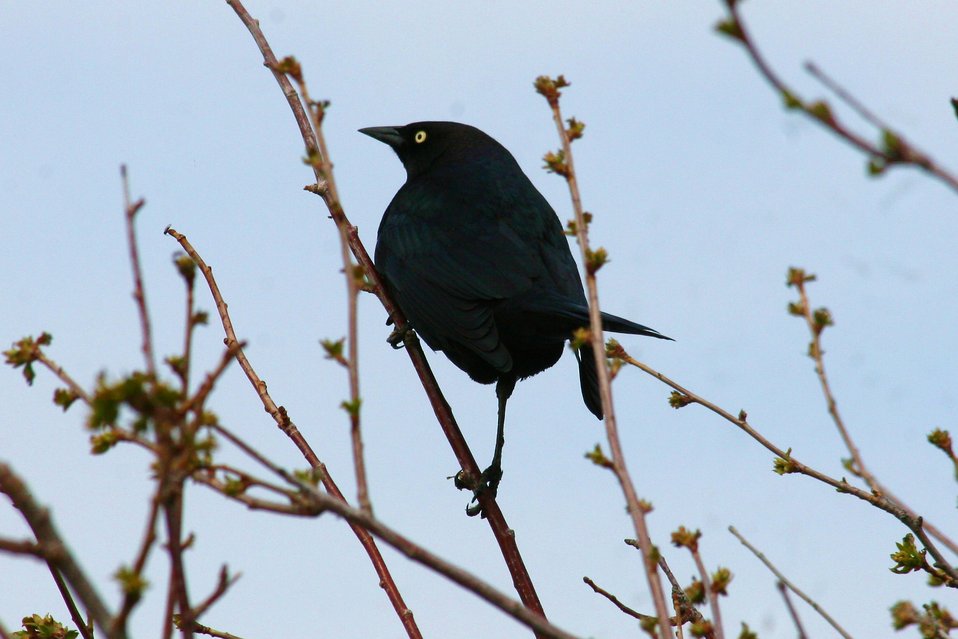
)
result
[(449, 274)]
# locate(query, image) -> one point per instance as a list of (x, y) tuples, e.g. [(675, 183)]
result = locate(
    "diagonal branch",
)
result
[(139, 294), (549, 88), (893, 150), (39, 520), (787, 463), (501, 530), (784, 580)]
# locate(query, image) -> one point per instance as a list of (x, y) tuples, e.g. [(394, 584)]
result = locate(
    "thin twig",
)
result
[(319, 502), (172, 506), (22, 547), (500, 528), (199, 398), (817, 355), (684, 610), (858, 467), (789, 463), (186, 362), (85, 629), (64, 377), (615, 600), (130, 599), (139, 294), (40, 522), (783, 589), (285, 424), (253, 453), (206, 630), (894, 149), (324, 167), (550, 90), (712, 595), (783, 579), (222, 585)]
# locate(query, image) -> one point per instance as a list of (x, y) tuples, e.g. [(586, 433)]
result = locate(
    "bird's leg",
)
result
[(397, 338), (491, 476)]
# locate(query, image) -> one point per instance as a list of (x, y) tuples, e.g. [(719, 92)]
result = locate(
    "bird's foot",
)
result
[(488, 484), (397, 338)]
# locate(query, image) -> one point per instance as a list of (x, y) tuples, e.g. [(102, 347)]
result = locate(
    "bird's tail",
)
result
[(589, 380), (588, 375), (617, 324)]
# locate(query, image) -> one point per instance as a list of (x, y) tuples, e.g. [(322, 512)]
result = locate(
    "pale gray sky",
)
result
[(704, 189)]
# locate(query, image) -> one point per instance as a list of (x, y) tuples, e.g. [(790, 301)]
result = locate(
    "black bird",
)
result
[(478, 262)]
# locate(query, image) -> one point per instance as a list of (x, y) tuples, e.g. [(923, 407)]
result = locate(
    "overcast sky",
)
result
[(705, 190)]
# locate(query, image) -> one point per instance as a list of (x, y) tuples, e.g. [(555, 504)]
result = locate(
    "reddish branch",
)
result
[(139, 294), (56, 553), (787, 463), (280, 416), (549, 88), (313, 502), (784, 580), (327, 190), (798, 278), (894, 148)]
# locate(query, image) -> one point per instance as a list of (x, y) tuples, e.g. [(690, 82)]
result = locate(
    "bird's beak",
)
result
[(386, 134)]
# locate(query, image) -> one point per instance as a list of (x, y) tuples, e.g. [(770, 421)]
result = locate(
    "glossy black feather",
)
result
[(478, 261)]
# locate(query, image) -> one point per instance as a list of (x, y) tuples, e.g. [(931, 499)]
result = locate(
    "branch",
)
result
[(501, 530), (139, 294), (615, 601), (783, 589), (286, 425), (786, 463), (783, 579), (563, 165), (324, 167), (320, 502), (132, 596), (222, 585), (893, 149), (817, 321), (60, 558), (712, 595)]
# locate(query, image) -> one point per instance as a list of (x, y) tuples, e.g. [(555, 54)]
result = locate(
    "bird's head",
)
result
[(420, 144)]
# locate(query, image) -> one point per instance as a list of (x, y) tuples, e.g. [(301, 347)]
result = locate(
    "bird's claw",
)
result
[(487, 484), (397, 338)]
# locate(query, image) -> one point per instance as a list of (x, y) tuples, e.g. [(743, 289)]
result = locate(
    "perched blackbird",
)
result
[(478, 262)]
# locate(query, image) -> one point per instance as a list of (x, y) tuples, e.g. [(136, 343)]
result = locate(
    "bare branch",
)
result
[(712, 595), (64, 377), (206, 630), (816, 321), (787, 463), (324, 167), (783, 589), (894, 149), (85, 629), (139, 294), (222, 585), (783, 579), (615, 600), (132, 597), (549, 88), (40, 522), (501, 530), (22, 547)]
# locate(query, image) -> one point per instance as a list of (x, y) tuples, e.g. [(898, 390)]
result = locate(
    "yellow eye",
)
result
[(420, 137)]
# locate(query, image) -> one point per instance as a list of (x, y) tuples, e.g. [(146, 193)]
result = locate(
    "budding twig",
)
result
[(783, 579), (564, 166)]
